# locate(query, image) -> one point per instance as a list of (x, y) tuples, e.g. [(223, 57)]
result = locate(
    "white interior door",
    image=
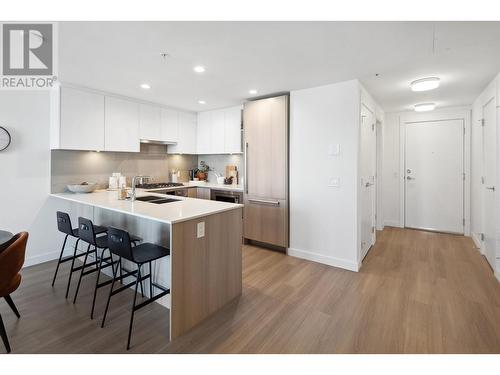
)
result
[(434, 176), (489, 159), (368, 158)]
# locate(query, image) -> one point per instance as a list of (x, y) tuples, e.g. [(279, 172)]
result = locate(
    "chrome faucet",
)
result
[(134, 182)]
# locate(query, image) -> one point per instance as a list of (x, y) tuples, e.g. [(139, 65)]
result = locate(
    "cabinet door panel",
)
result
[(169, 125), (186, 142), (121, 125), (266, 220), (82, 120), (266, 125), (204, 127), (232, 130), (150, 122), (217, 130)]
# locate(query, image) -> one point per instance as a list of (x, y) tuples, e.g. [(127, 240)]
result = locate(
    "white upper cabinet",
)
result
[(232, 130), (150, 122), (217, 130), (121, 125), (169, 125), (204, 127), (81, 125), (186, 142)]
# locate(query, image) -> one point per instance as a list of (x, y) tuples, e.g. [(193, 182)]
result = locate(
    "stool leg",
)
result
[(3, 333), (81, 273), (8, 298), (96, 284), (118, 266), (150, 281), (133, 306), (142, 288), (72, 267), (59, 261)]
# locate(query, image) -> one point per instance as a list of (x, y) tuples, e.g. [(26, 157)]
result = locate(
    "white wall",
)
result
[(25, 170), (323, 219), (393, 162)]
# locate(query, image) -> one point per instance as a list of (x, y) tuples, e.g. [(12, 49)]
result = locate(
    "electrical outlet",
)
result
[(200, 229)]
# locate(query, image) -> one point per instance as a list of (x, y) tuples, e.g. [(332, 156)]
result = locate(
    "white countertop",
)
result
[(169, 213)]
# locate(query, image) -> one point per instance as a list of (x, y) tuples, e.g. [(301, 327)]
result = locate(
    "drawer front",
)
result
[(266, 220)]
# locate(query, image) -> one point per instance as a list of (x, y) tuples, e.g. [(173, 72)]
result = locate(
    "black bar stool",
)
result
[(120, 245), (64, 226), (87, 234)]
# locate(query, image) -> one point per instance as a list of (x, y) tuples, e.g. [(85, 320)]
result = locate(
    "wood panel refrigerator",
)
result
[(266, 171)]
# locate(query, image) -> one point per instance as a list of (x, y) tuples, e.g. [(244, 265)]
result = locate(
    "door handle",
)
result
[(410, 178), (368, 184), (492, 188), (263, 201)]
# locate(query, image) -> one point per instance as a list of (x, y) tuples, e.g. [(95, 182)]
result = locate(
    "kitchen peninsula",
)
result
[(204, 237)]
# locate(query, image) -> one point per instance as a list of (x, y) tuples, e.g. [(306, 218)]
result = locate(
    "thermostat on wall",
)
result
[(4, 138)]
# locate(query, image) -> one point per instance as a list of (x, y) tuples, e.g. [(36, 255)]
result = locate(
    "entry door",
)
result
[(489, 156), (434, 176), (368, 158)]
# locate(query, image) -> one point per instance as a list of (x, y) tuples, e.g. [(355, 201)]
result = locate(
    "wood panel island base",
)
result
[(204, 272)]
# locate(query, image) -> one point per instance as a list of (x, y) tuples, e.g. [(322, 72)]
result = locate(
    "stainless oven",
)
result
[(226, 196)]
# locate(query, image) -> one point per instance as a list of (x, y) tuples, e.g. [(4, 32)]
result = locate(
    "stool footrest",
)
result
[(152, 299)]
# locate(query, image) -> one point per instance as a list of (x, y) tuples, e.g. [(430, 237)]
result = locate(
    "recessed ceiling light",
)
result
[(252, 92), (145, 86), (425, 84), (199, 69), (424, 107), (201, 101)]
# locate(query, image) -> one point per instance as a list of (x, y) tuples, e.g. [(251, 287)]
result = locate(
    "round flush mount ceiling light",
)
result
[(425, 84), (424, 107), (145, 86), (252, 92), (199, 69), (201, 101)]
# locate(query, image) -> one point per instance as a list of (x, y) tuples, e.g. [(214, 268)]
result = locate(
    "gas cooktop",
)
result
[(159, 185)]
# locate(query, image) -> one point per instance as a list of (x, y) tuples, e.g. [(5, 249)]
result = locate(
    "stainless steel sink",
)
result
[(155, 199)]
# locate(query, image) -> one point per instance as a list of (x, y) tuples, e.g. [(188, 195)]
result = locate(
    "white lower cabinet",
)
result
[(121, 125), (81, 121)]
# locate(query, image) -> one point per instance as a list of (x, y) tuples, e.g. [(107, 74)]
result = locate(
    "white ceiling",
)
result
[(279, 56)]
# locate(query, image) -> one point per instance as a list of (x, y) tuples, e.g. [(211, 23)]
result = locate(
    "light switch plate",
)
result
[(334, 182), (200, 229), (334, 149)]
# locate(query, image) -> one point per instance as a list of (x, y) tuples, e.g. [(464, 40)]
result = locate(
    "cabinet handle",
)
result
[(262, 201), (246, 167), (490, 188)]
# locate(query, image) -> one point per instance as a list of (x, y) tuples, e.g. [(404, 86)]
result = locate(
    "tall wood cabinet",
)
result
[(266, 165)]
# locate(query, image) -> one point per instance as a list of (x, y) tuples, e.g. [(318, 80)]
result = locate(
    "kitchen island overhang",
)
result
[(204, 271)]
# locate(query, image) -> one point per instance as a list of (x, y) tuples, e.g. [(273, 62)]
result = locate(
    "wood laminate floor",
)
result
[(417, 292)]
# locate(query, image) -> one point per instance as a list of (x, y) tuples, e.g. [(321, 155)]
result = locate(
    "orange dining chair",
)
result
[(11, 262)]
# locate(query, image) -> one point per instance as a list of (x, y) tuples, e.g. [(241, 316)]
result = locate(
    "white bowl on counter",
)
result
[(82, 189)]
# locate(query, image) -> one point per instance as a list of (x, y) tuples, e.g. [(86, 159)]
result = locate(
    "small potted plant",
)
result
[(202, 172)]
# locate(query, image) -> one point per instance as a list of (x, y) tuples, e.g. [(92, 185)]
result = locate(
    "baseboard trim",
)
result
[(389, 223), (324, 259), (42, 258), (477, 241)]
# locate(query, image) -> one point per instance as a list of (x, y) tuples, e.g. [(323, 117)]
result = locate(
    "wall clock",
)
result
[(4, 138)]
